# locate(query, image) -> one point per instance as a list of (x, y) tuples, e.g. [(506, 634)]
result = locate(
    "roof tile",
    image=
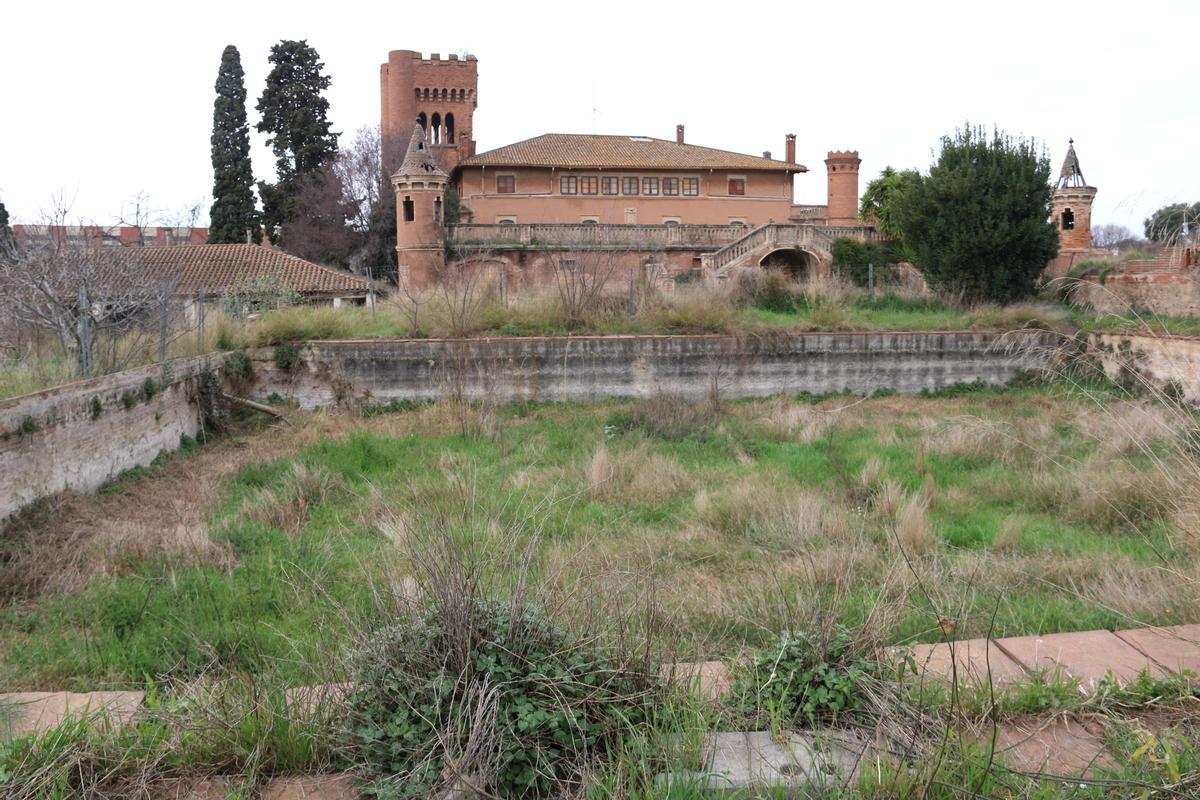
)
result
[(217, 267), (583, 151)]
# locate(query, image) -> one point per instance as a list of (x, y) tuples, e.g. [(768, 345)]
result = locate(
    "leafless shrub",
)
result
[(581, 276)]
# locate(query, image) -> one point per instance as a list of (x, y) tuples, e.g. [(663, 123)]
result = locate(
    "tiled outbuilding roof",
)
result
[(584, 151), (217, 267)]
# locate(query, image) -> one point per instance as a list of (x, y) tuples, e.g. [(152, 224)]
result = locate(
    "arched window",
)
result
[(449, 129), (422, 121), (435, 126), (409, 210), (1068, 219), (437, 211)]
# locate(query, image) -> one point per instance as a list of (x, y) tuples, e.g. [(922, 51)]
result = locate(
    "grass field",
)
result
[(271, 557), (711, 528)]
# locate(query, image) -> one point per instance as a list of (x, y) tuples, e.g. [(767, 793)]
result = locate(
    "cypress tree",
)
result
[(8, 242), (233, 211), (294, 117)]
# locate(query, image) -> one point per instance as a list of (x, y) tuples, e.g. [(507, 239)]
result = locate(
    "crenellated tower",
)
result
[(420, 186), (842, 171), (438, 94)]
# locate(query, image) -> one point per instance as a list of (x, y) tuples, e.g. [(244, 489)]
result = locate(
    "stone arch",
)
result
[(423, 121), (449, 127), (435, 128), (795, 262)]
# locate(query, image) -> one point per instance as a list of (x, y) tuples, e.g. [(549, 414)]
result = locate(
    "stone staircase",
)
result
[(750, 249)]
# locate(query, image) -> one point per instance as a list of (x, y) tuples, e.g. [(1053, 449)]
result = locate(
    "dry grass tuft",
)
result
[(1009, 536), (636, 477), (913, 529), (887, 499), (303, 489), (599, 473)]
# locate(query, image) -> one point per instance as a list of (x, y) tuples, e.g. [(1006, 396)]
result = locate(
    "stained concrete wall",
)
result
[(592, 368), (55, 440), (1151, 362)]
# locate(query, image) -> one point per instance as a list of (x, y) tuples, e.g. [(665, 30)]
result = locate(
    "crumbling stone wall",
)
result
[(1169, 364), (84, 434)]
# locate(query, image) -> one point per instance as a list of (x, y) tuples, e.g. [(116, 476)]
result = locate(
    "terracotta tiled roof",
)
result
[(582, 151), (418, 161), (217, 267)]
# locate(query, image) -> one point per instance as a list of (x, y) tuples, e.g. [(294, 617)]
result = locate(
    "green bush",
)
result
[(804, 679), (852, 259), (149, 389), (287, 356), (95, 407), (237, 366), (509, 686)]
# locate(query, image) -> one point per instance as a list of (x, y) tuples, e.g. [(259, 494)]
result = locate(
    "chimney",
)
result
[(789, 148), (766, 153), (679, 134)]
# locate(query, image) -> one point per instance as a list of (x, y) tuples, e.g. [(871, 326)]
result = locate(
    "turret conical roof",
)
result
[(1071, 175), (418, 160)]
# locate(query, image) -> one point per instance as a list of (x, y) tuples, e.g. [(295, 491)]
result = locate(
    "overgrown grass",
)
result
[(733, 515)]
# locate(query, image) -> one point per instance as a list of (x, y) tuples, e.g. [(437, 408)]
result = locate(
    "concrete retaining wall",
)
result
[(592, 368), (1154, 361), (81, 435)]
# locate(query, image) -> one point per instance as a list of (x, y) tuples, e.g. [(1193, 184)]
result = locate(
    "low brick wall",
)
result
[(592, 368), (1172, 294), (81, 435), (1165, 363)]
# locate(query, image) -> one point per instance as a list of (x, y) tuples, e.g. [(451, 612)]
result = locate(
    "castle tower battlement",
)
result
[(842, 200), (439, 94)]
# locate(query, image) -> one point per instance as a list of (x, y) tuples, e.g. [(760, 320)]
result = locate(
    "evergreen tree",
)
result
[(1168, 224), (979, 222), (8, 241), (294, 117), (233, 211)]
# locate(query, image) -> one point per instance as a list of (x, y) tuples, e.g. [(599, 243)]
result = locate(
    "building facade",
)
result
[(663, 203), (1071, 212)]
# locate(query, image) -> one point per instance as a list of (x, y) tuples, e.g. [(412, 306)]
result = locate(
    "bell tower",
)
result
[(420, 186), (1071, 210)]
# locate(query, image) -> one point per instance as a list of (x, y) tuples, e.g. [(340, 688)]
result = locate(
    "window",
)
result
[(506, 221), (738, 223), (588, 184), (589, 221), (506, 184), (409, 210), (691, 187), (629, 185), (450, 129), (737, 186), (650, 186), (609, 185), (1068, 219), (568, 184), (671, 222), (437, 211), (670, 186)]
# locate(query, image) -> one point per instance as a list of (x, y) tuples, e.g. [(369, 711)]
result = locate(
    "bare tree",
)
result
[(582, 272), (87, 294), (359, 168), (1113, 236)]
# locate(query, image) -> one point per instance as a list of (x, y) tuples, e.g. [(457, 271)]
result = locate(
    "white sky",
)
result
[(103, 101)]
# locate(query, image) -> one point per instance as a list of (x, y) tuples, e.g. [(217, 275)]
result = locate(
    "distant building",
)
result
[(115, 235)]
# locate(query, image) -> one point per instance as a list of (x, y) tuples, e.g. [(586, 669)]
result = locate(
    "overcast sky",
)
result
[(103, 101)]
